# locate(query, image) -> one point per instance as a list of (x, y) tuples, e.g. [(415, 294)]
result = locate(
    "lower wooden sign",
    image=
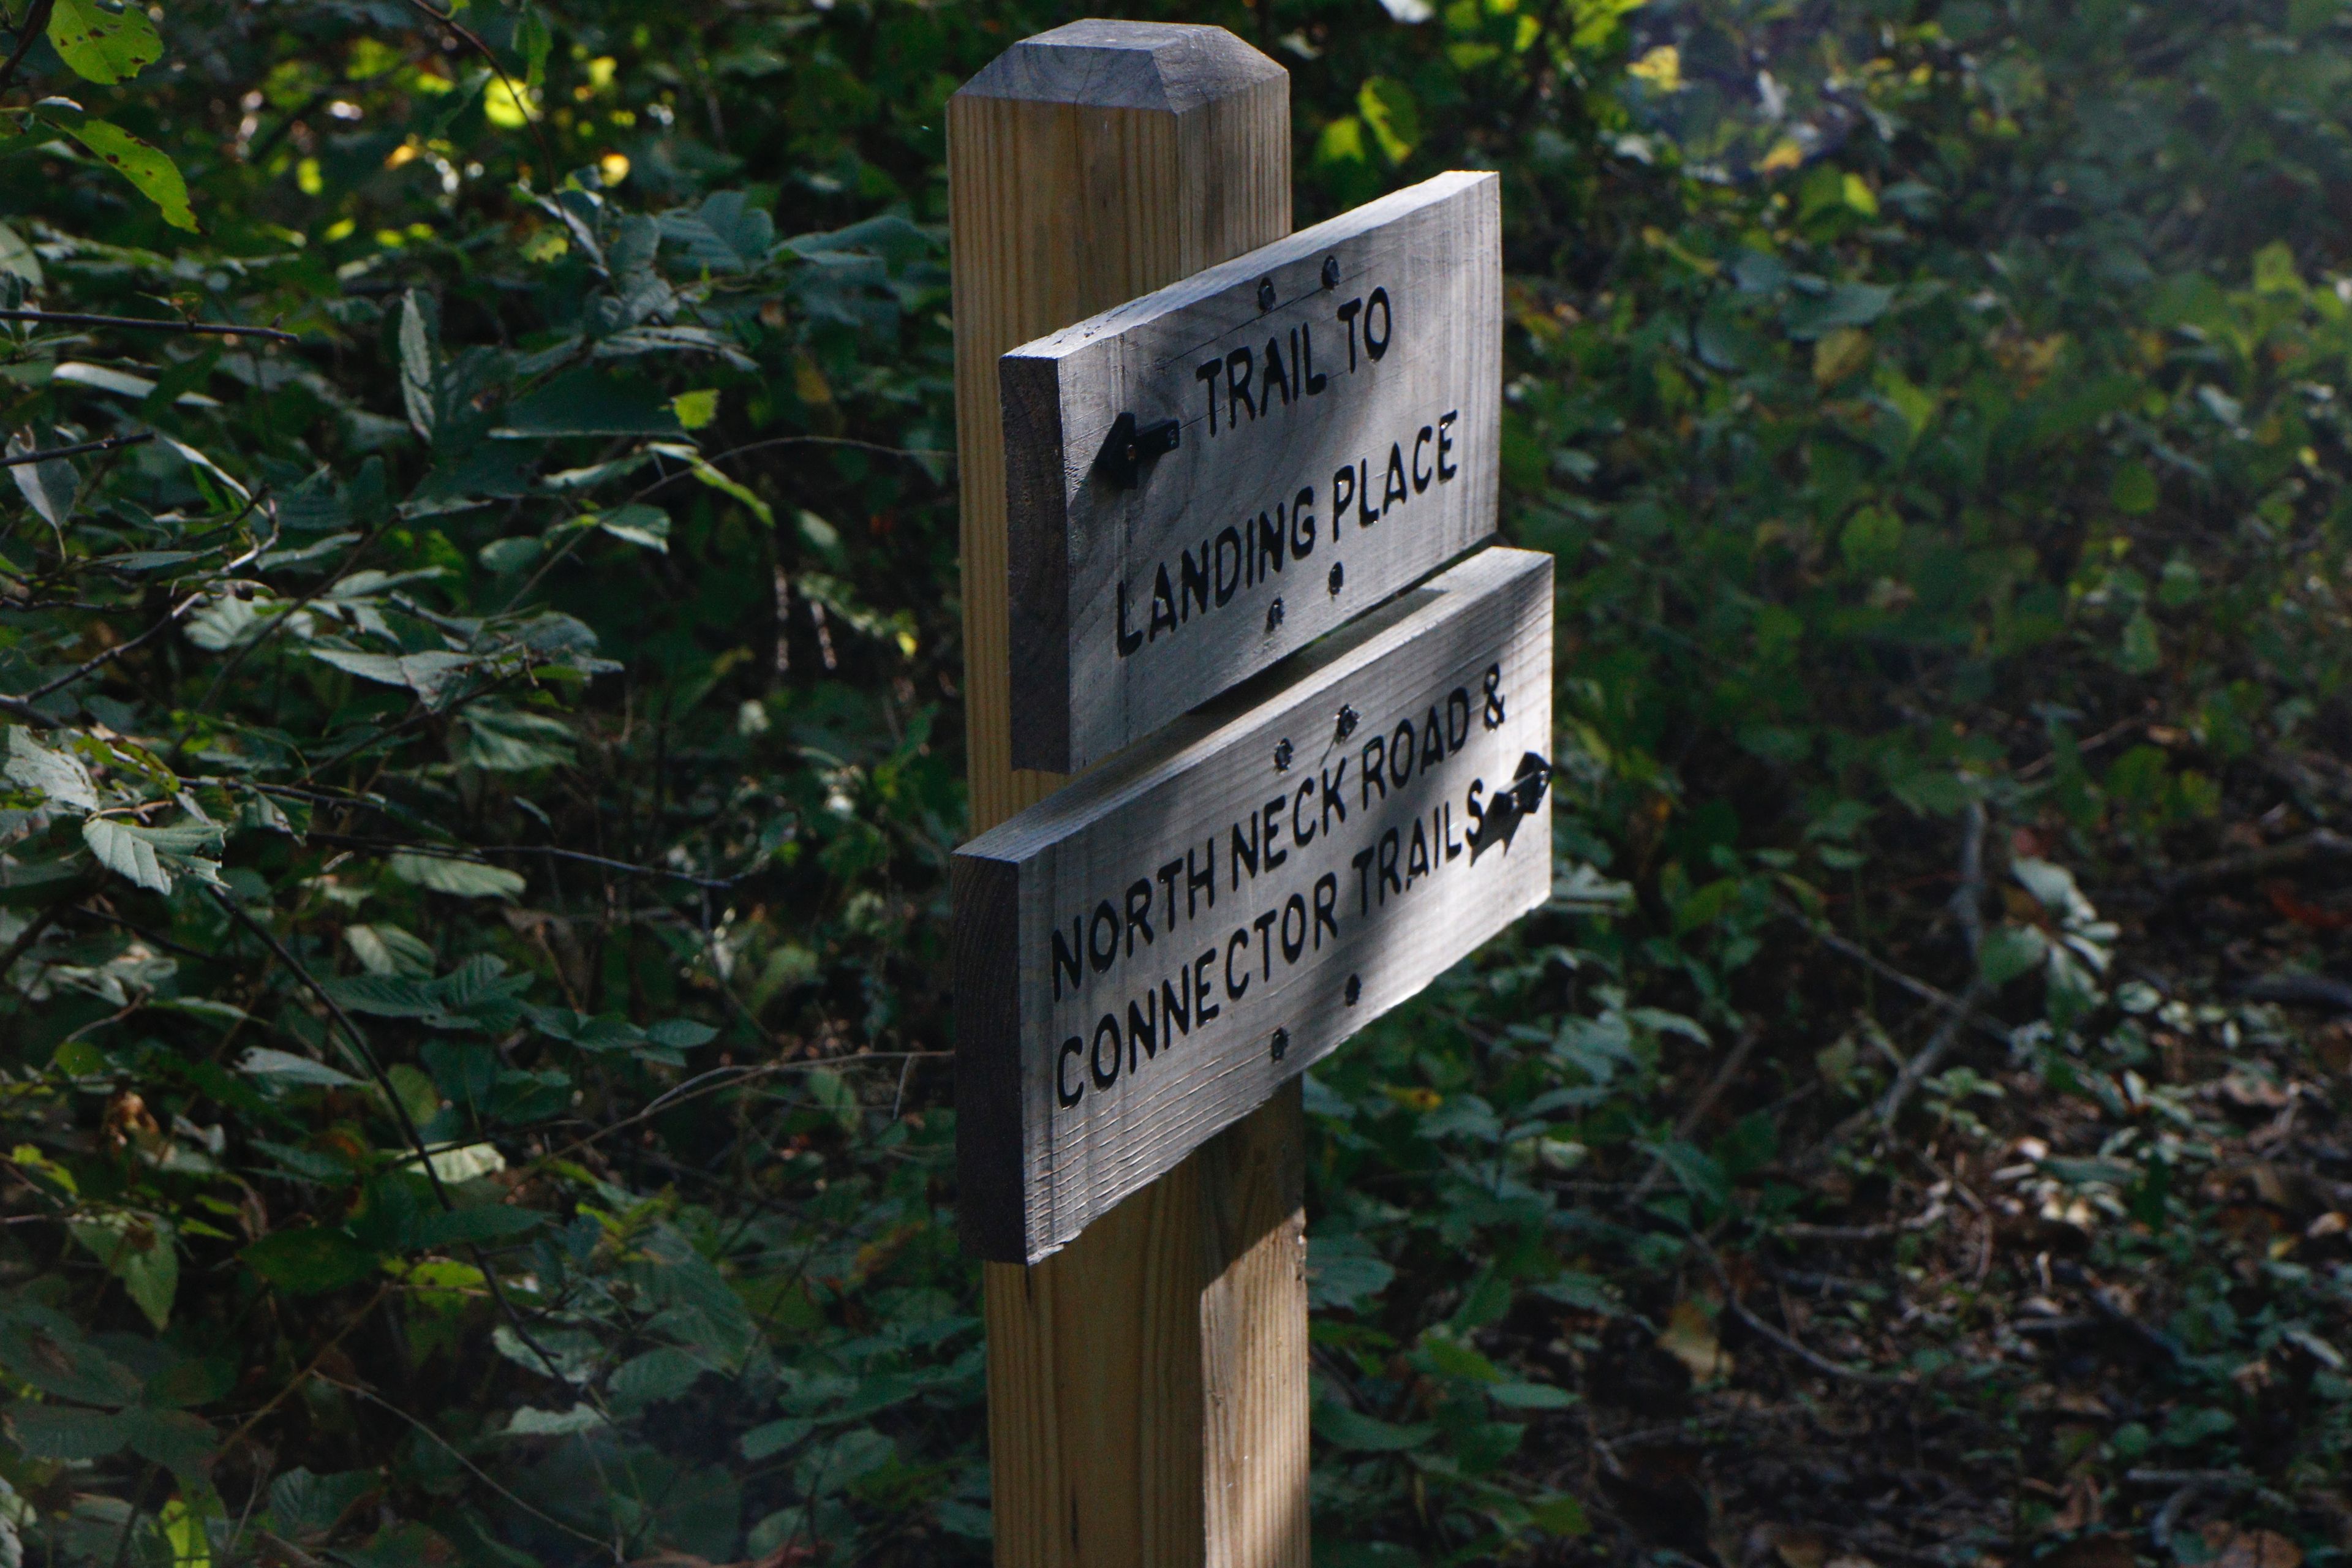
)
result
[(1142, 958)]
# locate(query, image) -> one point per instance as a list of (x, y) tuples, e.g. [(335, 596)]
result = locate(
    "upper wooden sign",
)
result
[(1208, 478), (1141, 959)]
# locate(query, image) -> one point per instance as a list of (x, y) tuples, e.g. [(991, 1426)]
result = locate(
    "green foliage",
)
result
[(479, 775)]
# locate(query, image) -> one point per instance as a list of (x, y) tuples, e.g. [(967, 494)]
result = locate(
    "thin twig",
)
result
[(2248, 863), (366, 1057), (276, 623), (24, 706), (108, 444), (1813, 1359), (383, 1404), (29, 935), (1893, 976), (701, 1085), (362, 1052), (246, 1427), (521, 101), (1725, 1076), (37, 22), (206, 329), (469, 855), (850, 442)]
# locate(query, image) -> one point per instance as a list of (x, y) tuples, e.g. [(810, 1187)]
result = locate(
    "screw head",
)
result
[(1281, 1043), (1282, 756), (1348, 718), (1354, 989), (1331, 272), (1265, 293), (1338, 576), (1273, 614)]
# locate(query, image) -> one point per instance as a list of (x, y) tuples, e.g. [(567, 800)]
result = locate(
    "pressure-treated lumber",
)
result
[(1206, 479), (1143, 958), (1148, 1385)]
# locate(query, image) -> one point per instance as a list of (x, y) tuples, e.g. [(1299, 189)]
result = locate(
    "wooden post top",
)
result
[(1169, 66)]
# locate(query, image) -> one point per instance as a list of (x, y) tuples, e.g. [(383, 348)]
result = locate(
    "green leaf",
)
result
[(587, 404), (48, 486), (2133, 489), (137, 1249), (1387, 106), (644, 526), (508, 556), (662, 1373), (1560, 1515), (18, 260), (459, 878), (483, 1222), (695, 409), (311, 1260), (61, 1432), (174, 1439), (1343, 1428), (1530, 1395), (415, 367), (2010, 951), (764, 1442), (307, 1507), (59, 776), (47, 1350), (2142, 650), (285, 1067), (146, 167), (123, 850), (431, 675), (102, 44)]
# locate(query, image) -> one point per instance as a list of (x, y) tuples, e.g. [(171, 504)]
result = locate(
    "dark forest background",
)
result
[(480, 766)]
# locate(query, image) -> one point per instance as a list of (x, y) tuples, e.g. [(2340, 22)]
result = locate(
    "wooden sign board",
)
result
[(1141, 959), (1204, 479)]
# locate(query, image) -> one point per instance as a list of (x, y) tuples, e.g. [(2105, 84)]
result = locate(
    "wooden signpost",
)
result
[(1143, 958), (1201, 480), (1241, 885)]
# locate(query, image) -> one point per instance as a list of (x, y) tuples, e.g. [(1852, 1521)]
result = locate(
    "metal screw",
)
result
[(1331, 272), (1266, 294), (1273, 614), (1354, 989), (1281, 1043), (1347, 717), (1282, 756), (1338, 575)]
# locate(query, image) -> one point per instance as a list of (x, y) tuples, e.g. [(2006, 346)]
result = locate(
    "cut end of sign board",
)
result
[(1146, 956)]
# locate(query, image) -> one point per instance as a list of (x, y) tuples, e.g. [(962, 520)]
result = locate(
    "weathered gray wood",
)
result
[(1124, 892), (1359, 362), (1170, 67)]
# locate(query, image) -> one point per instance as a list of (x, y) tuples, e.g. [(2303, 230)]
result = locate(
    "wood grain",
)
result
[(1336, 398), (1200, 919), (1086, 166)]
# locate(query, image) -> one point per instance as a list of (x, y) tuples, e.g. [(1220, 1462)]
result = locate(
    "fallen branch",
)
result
[(1812, 1358), (1725, 1076), (1797, 1230), (2262, 862), (1935, 995)]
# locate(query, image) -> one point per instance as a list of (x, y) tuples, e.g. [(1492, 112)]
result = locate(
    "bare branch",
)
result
[(110, 443), (147, 324)]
